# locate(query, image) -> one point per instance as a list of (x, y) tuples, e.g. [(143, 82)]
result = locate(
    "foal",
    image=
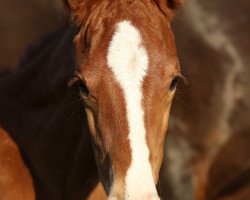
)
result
[(126, 70), (127, 74)]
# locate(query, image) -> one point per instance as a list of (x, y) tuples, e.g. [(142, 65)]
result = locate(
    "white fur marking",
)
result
[(128, 60)]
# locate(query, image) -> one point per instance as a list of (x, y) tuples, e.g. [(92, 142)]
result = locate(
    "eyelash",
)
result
[(83, 88), (81, 85), (174, 83)]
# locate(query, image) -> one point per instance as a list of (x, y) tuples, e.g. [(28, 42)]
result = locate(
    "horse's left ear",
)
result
[(169, 6), (175, 4), (70, 4)]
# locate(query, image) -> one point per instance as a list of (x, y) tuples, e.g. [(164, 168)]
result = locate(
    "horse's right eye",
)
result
[(173, 84), (83, 88)]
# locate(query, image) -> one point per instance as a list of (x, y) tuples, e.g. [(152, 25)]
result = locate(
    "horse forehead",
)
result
[(132, 56), (127, 47), (126, 54), (128, 60)]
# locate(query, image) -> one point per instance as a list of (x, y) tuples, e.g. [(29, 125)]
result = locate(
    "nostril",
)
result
[(153, 197), (139, 197), (148, 197)]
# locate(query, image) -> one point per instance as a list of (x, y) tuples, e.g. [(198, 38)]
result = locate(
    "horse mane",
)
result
[(83, 9), (47, 66), (30, 53), (33, 49), (4, 71)]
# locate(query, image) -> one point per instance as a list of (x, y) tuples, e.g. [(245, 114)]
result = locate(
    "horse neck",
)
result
[(45, 73), (47, 122)]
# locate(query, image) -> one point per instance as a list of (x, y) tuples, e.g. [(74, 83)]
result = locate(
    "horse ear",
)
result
[(175, 4), (80, 9), (168, 7), (71, 4)]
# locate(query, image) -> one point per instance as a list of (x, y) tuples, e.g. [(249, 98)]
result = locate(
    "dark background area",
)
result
[(208, 153), (23, 22), (208, 144)]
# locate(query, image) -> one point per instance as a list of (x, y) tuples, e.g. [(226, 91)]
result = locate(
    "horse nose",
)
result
[(141, 197), (152, 197), (146, 197)]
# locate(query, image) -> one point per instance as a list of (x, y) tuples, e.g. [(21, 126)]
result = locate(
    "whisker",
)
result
[(183, 102), (76, 99), (73, 110), (190, 89)]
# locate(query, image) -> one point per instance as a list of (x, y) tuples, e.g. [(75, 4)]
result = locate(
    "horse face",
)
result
[(127, 76)]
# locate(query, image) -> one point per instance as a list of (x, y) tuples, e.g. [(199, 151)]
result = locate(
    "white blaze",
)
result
[(128, 60)]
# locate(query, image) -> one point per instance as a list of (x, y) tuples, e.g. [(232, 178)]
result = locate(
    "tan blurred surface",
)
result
[(213, 111), (18, 175)]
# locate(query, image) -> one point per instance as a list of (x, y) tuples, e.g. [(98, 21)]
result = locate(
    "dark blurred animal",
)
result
[(207, 149), (22, 22)]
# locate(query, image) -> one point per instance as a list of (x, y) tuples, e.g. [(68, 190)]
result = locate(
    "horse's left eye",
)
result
[(83, 88), (173, 84)]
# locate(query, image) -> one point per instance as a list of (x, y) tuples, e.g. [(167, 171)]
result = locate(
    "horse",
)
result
[(91, 103)]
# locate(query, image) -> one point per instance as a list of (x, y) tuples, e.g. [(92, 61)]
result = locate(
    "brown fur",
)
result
[(83, 9), (230, 170), (13, 172), (96, 31), (47, 123)]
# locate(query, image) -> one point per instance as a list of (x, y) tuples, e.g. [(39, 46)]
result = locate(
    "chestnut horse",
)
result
[(91, 103)]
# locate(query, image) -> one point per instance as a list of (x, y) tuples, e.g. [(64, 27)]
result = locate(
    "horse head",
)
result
[(127, 71)]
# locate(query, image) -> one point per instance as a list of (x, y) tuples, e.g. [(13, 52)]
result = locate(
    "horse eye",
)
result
[(83, 88), (173, 84)]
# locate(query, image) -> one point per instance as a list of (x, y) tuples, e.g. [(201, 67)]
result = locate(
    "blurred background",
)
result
[(208, 144)]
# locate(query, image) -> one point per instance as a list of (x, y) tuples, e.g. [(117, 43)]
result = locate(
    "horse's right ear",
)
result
[(80, 9)]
